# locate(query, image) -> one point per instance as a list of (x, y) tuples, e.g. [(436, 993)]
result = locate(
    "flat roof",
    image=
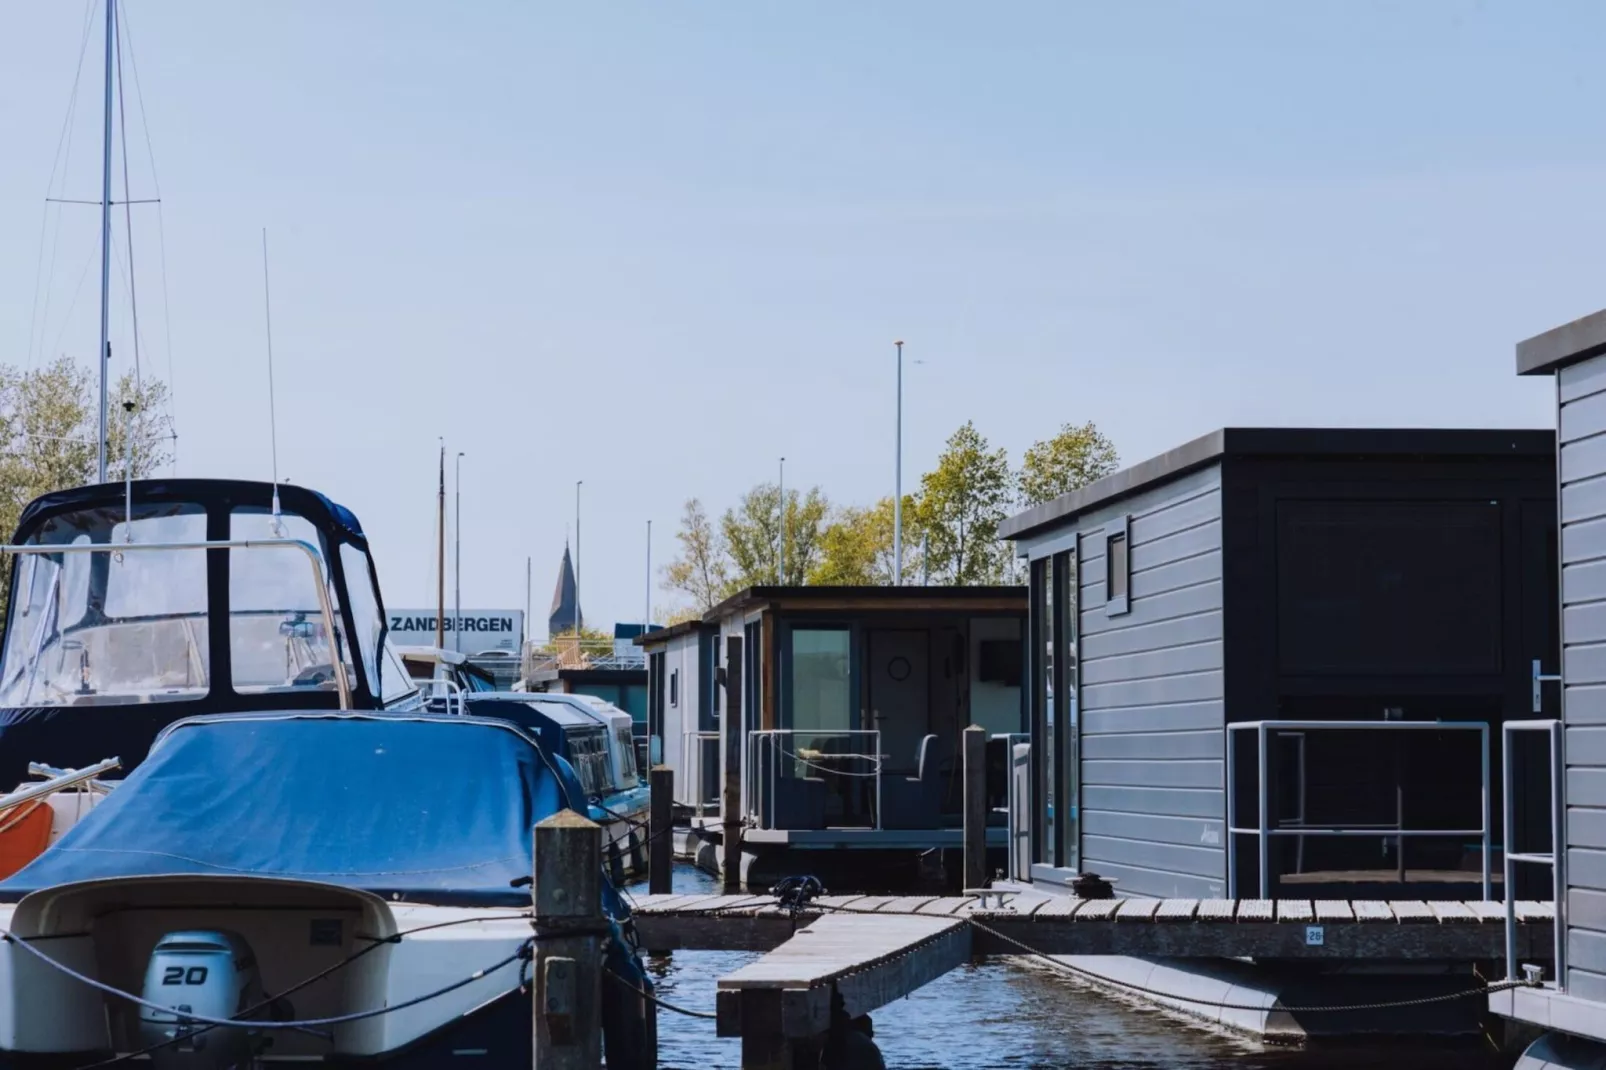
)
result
[(1279, 442), (674, 631), (1549, 352), (1007, 596), (858, 597)]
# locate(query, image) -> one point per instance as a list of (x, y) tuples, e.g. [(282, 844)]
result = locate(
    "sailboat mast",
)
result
[(105, 350), (440, 555)]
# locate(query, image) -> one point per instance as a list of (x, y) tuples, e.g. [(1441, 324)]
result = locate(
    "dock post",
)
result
[(660, 832), (567, 971), (730, 799), (975, 771)]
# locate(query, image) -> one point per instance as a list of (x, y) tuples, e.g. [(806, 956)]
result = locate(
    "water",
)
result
[(1015, 1017)]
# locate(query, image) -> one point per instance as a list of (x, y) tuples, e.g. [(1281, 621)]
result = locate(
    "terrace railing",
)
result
[(1264, 831)]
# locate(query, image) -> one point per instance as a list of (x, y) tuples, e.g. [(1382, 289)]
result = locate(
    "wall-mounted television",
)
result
[(998, 661)]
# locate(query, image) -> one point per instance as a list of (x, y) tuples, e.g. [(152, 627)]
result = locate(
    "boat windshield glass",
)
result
[(277, 638), (108, 627)]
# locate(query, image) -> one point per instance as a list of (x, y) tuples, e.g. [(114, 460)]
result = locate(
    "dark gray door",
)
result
[(900, 680)]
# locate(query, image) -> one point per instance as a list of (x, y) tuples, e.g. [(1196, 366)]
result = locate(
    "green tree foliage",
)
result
[(955, 517), (962, 501), (856, 547), (1070, 460), (702, 571), (49, 422), (752, 532), (669, 616)]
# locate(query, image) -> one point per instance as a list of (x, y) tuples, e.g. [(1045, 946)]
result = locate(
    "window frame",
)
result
[(1118, 532)]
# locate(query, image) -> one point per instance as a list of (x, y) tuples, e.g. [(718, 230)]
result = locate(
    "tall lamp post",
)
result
[(780, 574), (579, 617), (457, 556), (897, 483)]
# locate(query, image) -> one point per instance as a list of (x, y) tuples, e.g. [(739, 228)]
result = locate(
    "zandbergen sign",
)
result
[(475, 630)]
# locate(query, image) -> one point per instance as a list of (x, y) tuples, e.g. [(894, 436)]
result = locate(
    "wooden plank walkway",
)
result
[(868, 960), (1371, 930)]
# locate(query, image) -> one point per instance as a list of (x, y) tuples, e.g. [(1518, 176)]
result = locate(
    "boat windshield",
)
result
[(113, 628), (89, 628)]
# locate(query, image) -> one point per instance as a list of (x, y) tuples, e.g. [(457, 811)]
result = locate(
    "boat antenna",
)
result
[(273, 414)]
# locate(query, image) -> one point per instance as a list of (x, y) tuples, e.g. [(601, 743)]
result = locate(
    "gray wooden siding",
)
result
[(1151, 709), (1582, 423)]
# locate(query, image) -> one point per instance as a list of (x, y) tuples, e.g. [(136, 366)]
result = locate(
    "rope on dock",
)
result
[(659, 1000), (1089, 975)]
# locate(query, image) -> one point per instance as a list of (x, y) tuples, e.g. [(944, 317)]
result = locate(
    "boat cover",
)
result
[(415, 808), (221, 493)]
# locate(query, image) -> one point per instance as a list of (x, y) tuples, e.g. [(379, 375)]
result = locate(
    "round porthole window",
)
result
[(898, 668)]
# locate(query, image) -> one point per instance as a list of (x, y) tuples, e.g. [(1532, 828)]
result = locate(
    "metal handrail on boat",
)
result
[(1556, 859), (449, 687), (320, 577), (1263, 830), (40, 769), (63, 781)]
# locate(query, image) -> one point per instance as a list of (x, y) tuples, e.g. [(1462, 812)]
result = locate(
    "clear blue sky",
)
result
[(656, 246)]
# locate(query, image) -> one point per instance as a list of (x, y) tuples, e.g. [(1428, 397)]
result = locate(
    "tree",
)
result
[(752, 531), (669, 616), (49, 423), (856, 547), (1070, 460), (962, 502), (702, 570)]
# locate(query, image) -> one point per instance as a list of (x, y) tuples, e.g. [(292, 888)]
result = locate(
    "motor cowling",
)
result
[(211, 973)]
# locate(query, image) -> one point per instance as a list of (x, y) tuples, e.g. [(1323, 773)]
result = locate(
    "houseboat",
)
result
[(1571, 1005), (847, 744), (1275, 663)]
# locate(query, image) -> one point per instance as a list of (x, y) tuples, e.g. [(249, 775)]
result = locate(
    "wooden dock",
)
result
[(849, 955), (1378, 931)]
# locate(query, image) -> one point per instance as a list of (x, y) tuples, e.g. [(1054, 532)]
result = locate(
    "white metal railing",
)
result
[(1263, 830), (60, 780), (448, 688), (768, 749), (693, 748), (1556, 859)]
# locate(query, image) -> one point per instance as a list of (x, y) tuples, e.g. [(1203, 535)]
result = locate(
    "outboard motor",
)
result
[(212, 973)]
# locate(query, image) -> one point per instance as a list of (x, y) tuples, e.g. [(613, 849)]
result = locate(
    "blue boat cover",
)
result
[(417, 808)]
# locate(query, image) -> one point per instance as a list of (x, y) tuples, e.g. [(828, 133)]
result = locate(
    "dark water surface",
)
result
[(1008, 1016)]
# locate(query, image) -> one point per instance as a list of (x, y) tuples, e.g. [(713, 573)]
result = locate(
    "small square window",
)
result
[(1117, 568)]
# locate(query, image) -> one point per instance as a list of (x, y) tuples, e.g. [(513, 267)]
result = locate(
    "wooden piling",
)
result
[(661, 837), (975, 834), (731, 738), (569, 927)]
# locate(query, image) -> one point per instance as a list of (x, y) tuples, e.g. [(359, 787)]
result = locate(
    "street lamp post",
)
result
[(897, 483), (579, 618)]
